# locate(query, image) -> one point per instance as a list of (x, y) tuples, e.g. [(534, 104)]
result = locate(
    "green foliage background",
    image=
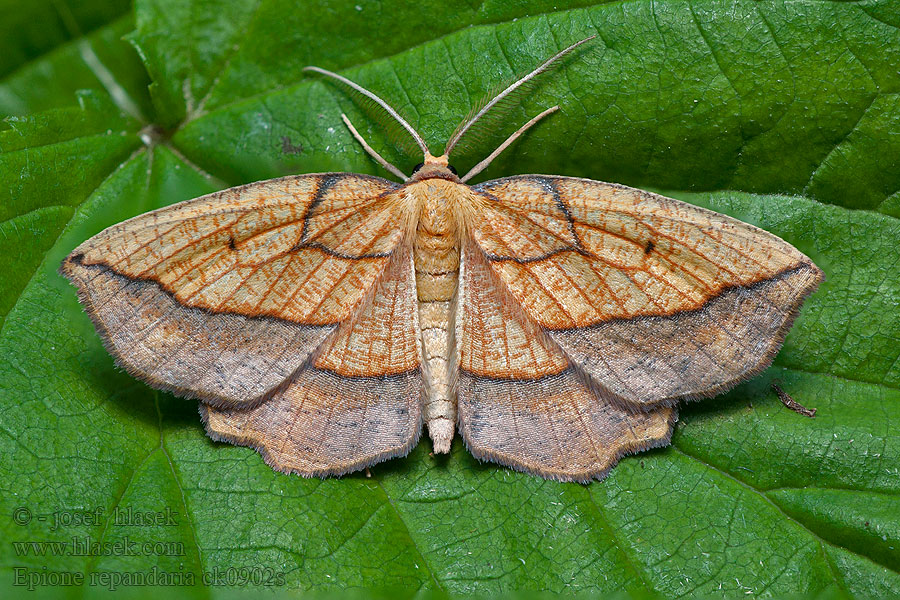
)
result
[(783, 113)]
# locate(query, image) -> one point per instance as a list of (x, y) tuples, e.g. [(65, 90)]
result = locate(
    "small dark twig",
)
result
[(791, 403)]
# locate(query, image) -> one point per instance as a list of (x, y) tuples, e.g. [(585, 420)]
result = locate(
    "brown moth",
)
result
[(556, 322)]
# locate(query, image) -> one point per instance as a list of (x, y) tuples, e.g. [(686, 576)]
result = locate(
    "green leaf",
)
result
[(49, 50), (29, 30), (783, 114)]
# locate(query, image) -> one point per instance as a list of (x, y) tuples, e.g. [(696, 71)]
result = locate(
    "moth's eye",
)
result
[(452, 169), (418, 166)]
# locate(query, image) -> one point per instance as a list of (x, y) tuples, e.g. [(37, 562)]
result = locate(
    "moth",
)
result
[(556, 322)]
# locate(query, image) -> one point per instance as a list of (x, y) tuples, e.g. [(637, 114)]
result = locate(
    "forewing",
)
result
[(356, 403), (521, 401), (224, 296), (657, 300)]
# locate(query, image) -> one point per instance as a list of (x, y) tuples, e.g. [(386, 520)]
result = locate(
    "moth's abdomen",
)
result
[(437, 277)]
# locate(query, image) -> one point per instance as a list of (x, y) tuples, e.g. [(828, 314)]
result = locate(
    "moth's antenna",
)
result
[(544, 66), (371, 151), (378, 101), (484, 164)]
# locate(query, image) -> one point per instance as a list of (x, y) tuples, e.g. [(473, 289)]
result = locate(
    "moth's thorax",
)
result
[(436, 202)]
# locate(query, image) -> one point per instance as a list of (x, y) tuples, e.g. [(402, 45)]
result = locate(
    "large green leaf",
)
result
[(784, 114)]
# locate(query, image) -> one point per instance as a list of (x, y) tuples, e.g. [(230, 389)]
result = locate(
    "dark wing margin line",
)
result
[(77, 259), (783, 274)]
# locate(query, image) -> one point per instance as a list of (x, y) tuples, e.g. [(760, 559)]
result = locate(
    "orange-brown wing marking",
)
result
[(223, 297), (655, 299), (355, 404), (523, 404)]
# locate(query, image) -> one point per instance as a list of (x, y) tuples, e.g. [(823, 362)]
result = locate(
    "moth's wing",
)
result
[(657, 300), (223, 297), (523, 403), (356, 403)]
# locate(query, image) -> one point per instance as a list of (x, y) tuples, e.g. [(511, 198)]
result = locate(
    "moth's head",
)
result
[(434, 167), (438, 167)]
